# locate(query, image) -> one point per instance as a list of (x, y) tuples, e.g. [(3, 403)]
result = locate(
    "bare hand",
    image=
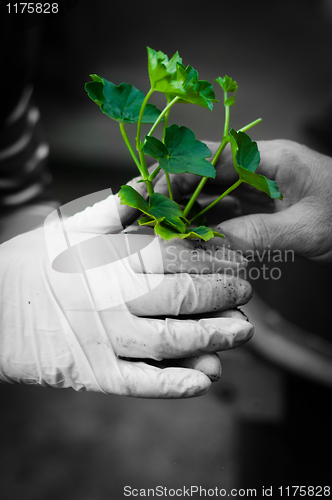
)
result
[(301, 222)]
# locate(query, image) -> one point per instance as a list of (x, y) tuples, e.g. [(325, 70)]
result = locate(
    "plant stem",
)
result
[(154, 173), (200, 186), (139, 146), (226, 125), (166, 115), (145, 173), (164, 135), (223, 144), (194, 196), (252, 124), (229, 190), (125, 137), (140, 118), (224, 141), (164, 112), (169, 186)]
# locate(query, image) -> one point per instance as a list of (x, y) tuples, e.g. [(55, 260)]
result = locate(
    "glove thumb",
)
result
[(103, 212)]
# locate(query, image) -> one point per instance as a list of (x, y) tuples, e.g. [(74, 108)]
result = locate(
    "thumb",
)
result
[(101, 216), (258, 232)]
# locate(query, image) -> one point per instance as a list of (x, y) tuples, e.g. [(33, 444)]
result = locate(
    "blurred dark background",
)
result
[(266, 422)]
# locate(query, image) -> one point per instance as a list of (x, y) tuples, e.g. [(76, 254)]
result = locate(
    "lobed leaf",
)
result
[(163, 208), (227, 83), (201, 232), (164, 215), (196, 91), (175, 80), (247, 153), (121, 103), (159, 208), (246, 158), (181, 152), (163, 73), (129, 196)]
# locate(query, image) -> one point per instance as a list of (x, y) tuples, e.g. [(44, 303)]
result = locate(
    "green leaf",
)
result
[(227, 83), (181, 152), (230, 101), (196, 91), (165, 215), (202, 232), (163, 73), (163, 208), (159, 208), (121, 103), (247, 154), (129, 196), (147, 221), (246, 158), (166, 232), (175, 80)]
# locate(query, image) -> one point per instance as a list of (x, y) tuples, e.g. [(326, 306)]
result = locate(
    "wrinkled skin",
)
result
[(301, 222)]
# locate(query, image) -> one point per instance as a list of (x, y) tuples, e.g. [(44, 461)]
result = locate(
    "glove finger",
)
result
[(190, 294), (147, 293), (172, 338), (145, 253), (209, 364), (178, 256), (227, 313), (146, 381)]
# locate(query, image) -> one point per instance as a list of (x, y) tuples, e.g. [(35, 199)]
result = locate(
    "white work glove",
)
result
[(75, 303)]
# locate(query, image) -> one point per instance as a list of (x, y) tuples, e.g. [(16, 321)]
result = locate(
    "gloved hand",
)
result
[(79, 301)]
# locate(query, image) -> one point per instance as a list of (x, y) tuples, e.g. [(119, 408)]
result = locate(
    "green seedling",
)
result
[(178, 151)]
